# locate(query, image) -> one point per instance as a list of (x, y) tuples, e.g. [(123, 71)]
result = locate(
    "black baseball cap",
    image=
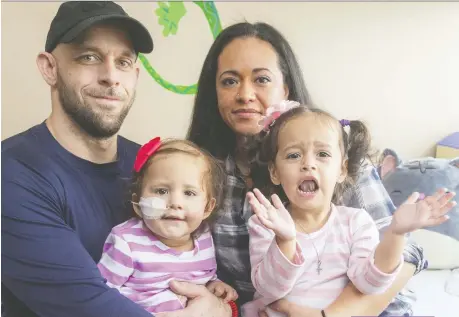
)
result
[(74, 17)]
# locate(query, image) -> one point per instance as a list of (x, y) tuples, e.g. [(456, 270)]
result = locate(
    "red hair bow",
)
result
[(145, 152)]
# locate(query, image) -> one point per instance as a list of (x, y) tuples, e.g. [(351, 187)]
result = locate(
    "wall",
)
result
[(394, 65)]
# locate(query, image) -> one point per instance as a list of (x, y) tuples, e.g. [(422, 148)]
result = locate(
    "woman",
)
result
[(248, 68)]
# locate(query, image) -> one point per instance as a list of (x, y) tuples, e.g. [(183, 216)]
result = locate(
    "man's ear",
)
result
[(343, 174), (273, 174), (135, 206), (48, 67), (137, 68), (210, 207)]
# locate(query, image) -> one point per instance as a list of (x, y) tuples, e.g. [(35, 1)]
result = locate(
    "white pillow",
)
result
[(441, 251)]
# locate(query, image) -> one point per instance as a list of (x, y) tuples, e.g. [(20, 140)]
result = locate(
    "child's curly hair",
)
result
[(214, 177), (262, 149)]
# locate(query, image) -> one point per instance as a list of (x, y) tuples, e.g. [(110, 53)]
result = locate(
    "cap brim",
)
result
[(139, 35)]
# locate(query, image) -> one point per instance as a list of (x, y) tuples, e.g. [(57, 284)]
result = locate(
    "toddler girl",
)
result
[(304, 247), (176, 187)]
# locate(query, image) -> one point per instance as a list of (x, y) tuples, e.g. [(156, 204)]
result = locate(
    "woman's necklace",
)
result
[(319, 261)]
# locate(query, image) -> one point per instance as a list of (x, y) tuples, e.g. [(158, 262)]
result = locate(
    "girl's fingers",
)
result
[(230, 294), (412, 199), (256, 206), (277, 202), (436, 221), (251, 197), (446, 198), (433, 204), (211, 287), (262, 199), (259, 210), (266, 222), (439, 193), (219, 291), (445, 209)]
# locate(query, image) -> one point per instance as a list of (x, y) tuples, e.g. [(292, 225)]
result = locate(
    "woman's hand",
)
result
[(276, 217)]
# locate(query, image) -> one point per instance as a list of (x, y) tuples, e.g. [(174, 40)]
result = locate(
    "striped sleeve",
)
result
[(214, 277), (365, 276), (116, 264), (273, 275)]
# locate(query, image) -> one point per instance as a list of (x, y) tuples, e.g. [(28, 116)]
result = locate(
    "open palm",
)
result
[(415, 214), (274, 217)]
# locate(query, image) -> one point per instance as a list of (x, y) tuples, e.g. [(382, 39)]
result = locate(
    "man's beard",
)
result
[(86, 118)]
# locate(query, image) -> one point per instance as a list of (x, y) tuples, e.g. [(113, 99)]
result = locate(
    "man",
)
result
[(64, 180)]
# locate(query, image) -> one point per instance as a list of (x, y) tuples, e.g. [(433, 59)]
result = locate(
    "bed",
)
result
[(432, 300)]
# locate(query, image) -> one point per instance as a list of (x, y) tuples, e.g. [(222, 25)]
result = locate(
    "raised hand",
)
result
[(415, 214), (276, 217)]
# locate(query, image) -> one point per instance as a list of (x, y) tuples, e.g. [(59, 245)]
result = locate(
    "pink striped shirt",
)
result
[(346, 245), (140, 266)]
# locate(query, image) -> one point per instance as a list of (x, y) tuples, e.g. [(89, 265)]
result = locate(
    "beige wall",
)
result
[(394, 65)]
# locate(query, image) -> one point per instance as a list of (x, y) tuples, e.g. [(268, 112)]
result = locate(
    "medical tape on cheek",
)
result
[(152, 207), (153, 213)]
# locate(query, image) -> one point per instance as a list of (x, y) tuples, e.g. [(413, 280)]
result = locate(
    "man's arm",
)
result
[(44, 263)]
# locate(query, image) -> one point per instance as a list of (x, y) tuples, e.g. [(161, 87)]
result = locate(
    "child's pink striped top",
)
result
[(140, 266), (346, 245)]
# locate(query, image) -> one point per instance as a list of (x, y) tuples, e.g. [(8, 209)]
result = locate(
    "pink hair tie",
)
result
[(275, 111)]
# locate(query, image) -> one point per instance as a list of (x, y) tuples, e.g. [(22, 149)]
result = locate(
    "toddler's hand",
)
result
[(222, 290), (414, 214), (276, 217), (182, 299)]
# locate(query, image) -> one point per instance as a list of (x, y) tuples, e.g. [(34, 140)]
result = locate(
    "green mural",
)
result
[(169, 15)]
